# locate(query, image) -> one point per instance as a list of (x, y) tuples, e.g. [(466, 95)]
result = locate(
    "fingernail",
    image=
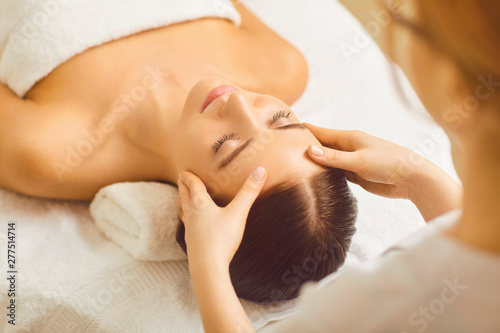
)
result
[(317, 151), (180, 176), (259, 174)]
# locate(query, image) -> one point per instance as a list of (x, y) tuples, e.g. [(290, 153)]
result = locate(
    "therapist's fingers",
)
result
[(250, 190), (179, 207), (196, 187), (382, 189), (183, 199), (339, 139), (334, 158)]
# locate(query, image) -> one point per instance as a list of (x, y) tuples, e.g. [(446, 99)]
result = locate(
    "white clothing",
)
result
[(434, 284), (36, 36)]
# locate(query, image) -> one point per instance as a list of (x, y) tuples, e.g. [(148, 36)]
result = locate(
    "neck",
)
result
[(171, 118), (480, 224)]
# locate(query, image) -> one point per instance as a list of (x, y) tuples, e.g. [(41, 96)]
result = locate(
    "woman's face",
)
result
[(236, 132)]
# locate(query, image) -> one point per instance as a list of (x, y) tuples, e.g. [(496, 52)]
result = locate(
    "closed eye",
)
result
[(216, 146), (278, 115), (232, 136), (242, 147)]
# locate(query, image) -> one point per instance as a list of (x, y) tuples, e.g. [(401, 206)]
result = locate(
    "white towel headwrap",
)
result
[(36, 36)]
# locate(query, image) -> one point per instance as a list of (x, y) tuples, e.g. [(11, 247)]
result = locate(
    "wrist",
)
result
[(433, 191), (429, 177), (211, 276), (206, 265), (420, 179)]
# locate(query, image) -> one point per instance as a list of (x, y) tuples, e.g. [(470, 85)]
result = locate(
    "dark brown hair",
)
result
[(295, 233)]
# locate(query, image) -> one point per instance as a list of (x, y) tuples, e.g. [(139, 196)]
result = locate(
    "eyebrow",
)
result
[(234, 154), (292, 126), (240, 149)]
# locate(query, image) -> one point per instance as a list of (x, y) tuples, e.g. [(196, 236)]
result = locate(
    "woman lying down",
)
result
[(84, 105)]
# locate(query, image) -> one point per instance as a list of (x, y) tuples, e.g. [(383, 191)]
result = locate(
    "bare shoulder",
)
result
[(57, 151), (14, 139)]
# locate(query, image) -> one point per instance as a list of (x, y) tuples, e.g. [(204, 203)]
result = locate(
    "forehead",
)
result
[(283, 154)]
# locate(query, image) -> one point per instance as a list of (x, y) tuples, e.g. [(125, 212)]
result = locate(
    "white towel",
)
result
[(141, 218), (72, 279), (37, 36)]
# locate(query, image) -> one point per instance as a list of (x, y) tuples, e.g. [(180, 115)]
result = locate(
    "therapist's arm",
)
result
[(388, 170), (220, 308), (213, 234)]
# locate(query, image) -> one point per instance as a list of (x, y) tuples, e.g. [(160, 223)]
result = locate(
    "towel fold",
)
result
[(141, 218)]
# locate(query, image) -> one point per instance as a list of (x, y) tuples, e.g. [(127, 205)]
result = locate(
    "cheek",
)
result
[(222, 186), (188, 148), (226, 182)]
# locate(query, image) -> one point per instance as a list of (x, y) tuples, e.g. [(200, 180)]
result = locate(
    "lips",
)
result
[(216, 93)]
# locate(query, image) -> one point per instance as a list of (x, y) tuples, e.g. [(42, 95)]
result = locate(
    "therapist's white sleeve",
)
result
[(434, 284)]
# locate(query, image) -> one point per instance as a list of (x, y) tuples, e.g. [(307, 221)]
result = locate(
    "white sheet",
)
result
[(71, 278)]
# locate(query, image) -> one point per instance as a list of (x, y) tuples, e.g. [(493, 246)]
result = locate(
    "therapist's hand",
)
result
[(213, 233), (388, 170), (375, 164)]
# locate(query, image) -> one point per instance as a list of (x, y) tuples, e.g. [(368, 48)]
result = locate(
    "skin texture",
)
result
[(475, 145), (81, 128), (276, 147)]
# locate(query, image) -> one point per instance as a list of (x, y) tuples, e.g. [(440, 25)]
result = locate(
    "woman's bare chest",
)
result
[(169, 60)]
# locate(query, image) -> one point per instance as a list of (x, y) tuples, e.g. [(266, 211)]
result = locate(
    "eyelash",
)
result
[(280, 114), (221, 141)]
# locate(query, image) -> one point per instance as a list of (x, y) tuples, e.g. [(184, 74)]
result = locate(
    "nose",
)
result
[(239, 106)]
